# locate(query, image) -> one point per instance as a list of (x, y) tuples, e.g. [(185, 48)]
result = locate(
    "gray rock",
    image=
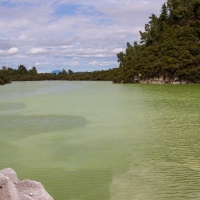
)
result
[(13, 189)]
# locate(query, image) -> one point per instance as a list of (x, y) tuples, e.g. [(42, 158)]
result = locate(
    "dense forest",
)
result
[(169, 49), (168, 52)]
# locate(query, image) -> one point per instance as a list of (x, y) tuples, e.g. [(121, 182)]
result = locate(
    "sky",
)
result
[(81, 35)]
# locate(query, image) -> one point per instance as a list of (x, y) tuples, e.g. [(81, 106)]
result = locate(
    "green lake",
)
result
[(103, 141)]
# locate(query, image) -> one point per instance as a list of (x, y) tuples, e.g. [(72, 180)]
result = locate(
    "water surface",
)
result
[(103, 141)]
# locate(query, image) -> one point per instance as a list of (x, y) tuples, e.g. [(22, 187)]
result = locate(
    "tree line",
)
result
[(22, 74)]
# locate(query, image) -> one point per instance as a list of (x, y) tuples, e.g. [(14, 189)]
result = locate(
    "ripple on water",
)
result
[(142, 141), (11, 106), (36, 124)]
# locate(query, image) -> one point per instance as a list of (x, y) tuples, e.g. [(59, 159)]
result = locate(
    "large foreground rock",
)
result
[(13, 189)]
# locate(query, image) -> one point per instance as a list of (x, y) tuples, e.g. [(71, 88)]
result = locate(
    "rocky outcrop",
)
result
[(160, 80), (13, 189)]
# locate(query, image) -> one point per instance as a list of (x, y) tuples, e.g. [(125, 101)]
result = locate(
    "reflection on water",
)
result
[(98, 140)]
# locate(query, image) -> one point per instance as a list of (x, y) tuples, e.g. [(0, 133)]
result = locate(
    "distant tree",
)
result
[(22, 69), (33, 70), (64, 71), (4, 68), (70, 71)]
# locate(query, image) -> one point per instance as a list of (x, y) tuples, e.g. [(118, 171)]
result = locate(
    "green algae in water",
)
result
[(102, 141)]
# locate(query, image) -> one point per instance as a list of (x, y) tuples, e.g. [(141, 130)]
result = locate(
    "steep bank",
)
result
[(13, 189), (158, 80)]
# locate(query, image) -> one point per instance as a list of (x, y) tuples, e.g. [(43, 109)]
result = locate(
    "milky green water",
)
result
[(103, 141)]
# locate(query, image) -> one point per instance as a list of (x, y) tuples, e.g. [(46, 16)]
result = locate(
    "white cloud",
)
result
[(36, 51), (97, 31), (22, 37), (108, 63), (13, 50), (38, 63), (2, 52), (117, 50), (93, 63), (74, 63)]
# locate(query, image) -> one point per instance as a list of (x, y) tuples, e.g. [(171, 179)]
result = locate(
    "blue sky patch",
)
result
[(67, 9), (106, 22), (8, 4), (90, 11)]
